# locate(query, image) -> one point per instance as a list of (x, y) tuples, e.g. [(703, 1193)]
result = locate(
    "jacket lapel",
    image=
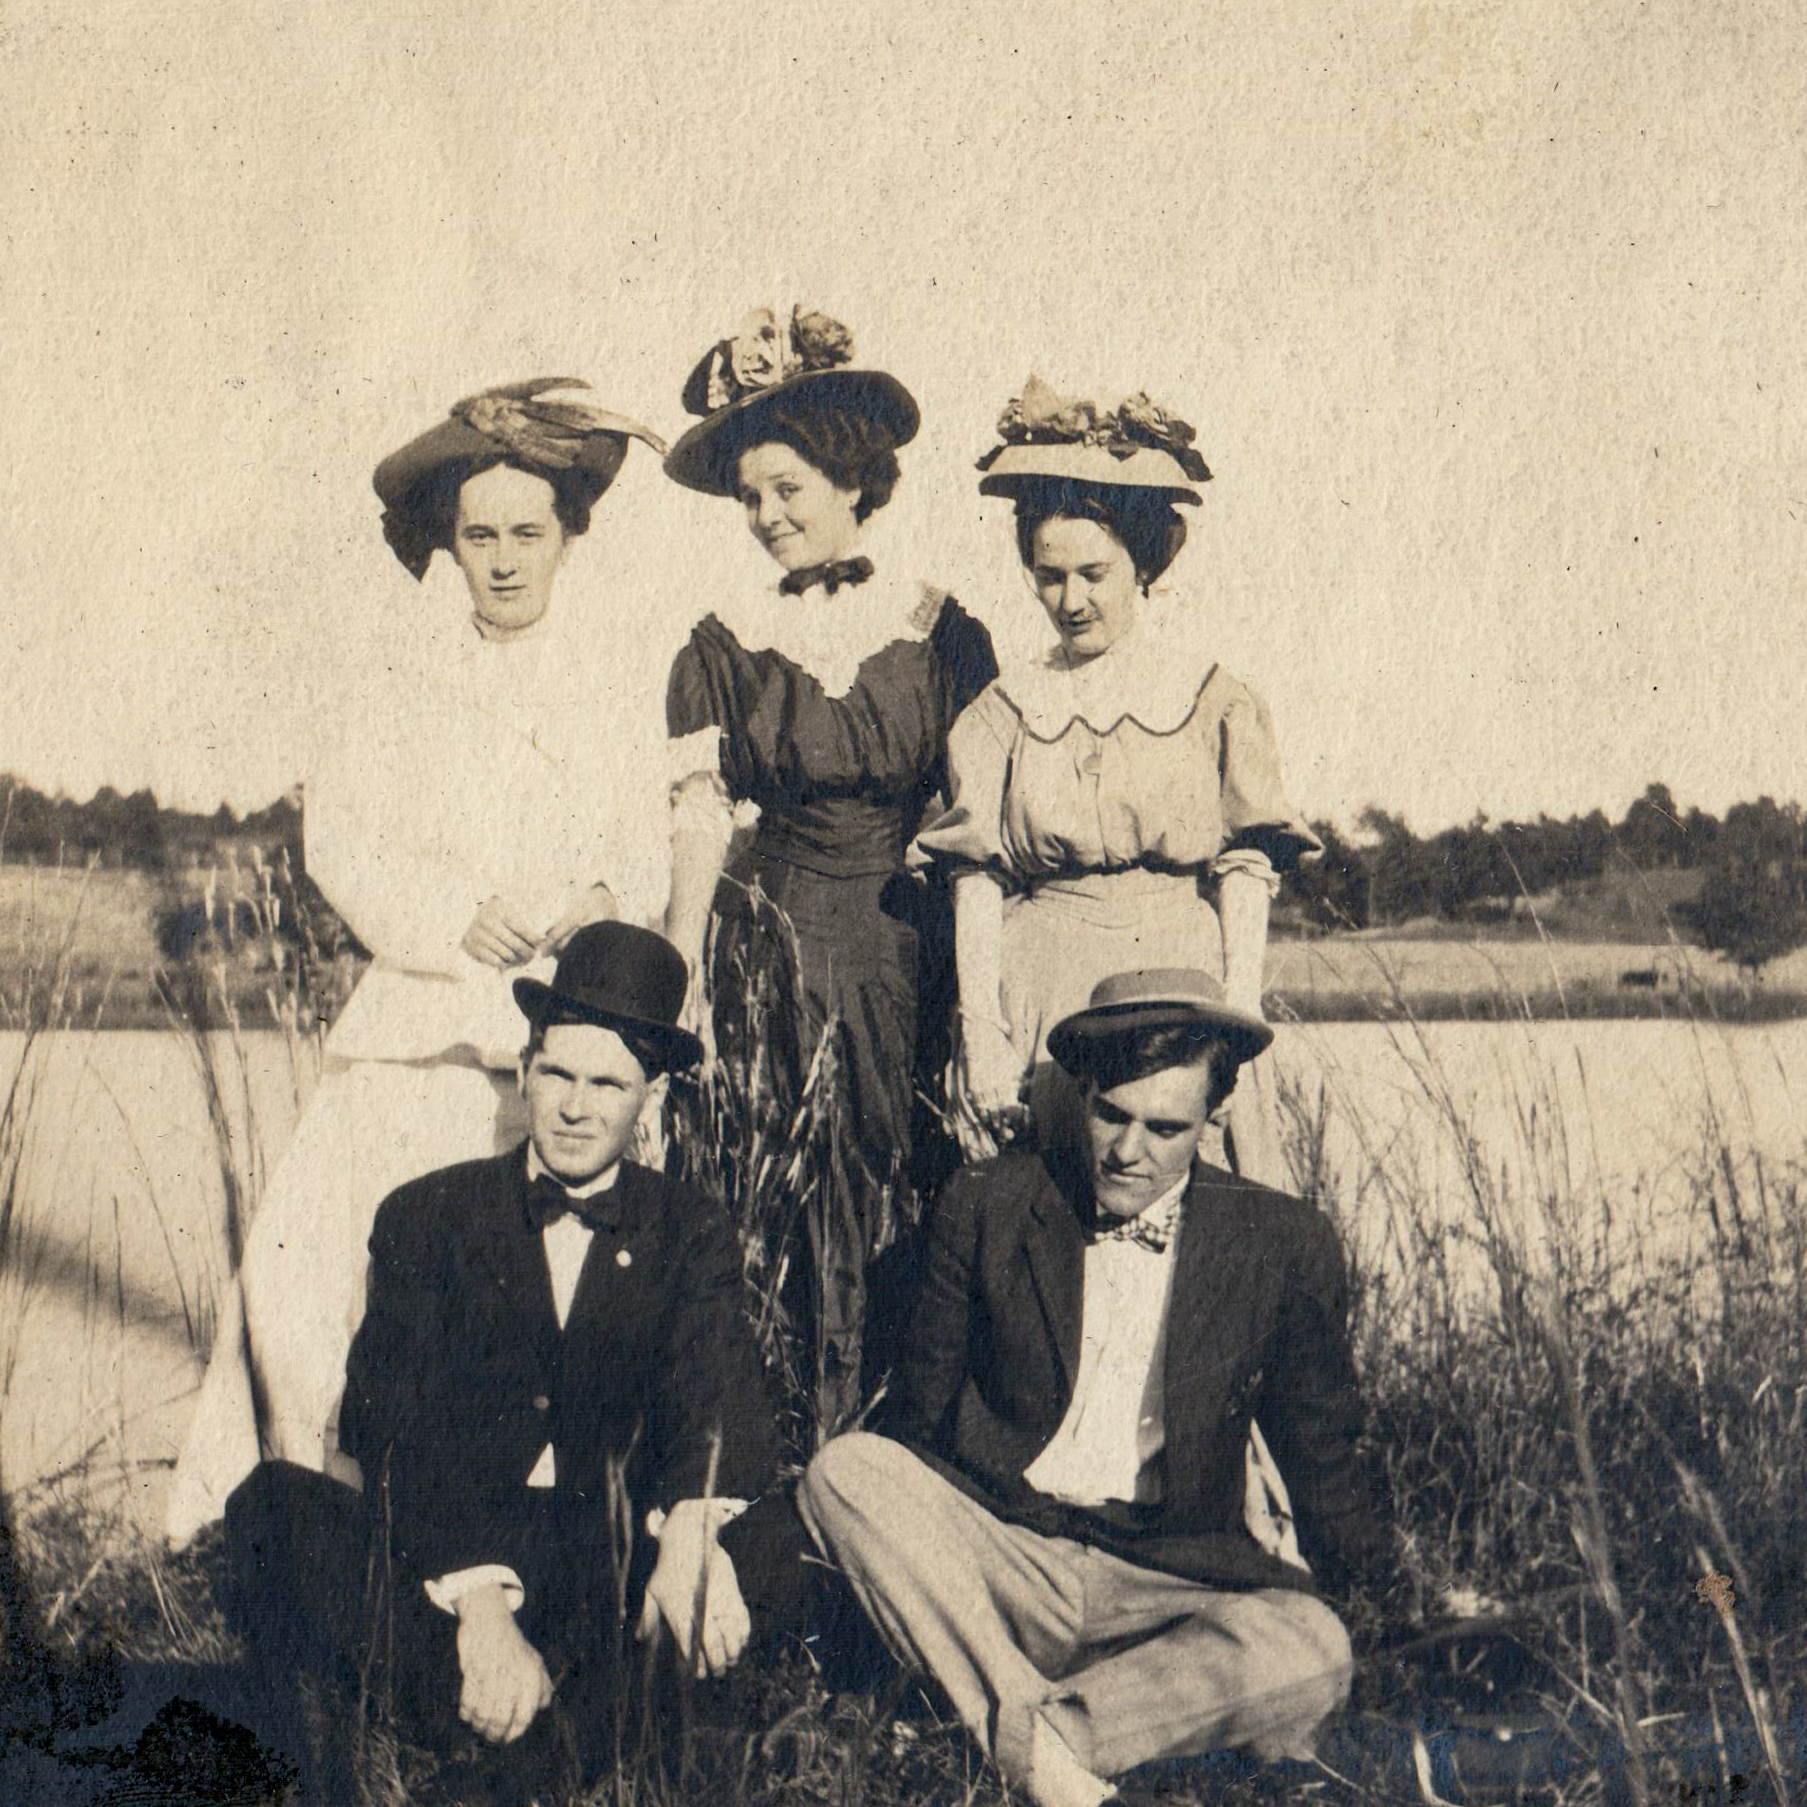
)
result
[(1054, 1243), (513, 1260), (1215, 1287), (625, 1210)]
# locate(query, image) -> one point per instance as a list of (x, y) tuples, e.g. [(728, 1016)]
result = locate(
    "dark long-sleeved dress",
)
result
[(833, 714)]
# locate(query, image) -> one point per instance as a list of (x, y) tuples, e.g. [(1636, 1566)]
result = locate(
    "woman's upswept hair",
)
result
[(1142, 521), (434, 501), (850, 449), (1132, 1054)]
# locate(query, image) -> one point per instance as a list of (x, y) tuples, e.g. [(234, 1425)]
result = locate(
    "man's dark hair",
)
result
[(852, 450), (1142, 521), (1131, 1054), (647, 1049), (434, 500)]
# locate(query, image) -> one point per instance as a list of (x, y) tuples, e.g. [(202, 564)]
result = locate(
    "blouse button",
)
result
[(541, 1403)]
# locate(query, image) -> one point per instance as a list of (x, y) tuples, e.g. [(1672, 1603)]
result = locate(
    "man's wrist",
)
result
[(486, 1601), (449, 1592)]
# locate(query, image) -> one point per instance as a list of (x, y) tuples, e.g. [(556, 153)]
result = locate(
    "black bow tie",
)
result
[(830, 576), (548, 1201)]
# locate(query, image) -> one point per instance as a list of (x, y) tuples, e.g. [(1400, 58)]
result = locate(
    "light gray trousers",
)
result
[(1127, 1664)]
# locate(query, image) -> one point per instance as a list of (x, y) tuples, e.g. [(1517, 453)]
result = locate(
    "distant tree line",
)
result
[(1749, 900), (133, 830)]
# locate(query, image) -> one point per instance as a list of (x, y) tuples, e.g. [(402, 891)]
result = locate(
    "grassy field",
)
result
[(1592, 1426)]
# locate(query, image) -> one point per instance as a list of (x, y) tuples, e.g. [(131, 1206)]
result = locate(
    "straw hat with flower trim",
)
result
[(1048, 438), (802, 363)]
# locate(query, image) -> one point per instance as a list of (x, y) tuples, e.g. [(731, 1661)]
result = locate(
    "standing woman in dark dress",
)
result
[(822, 700)]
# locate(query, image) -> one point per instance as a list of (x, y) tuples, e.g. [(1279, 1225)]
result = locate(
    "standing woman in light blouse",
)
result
[(821, 701), (477, 800), (1116, 801)]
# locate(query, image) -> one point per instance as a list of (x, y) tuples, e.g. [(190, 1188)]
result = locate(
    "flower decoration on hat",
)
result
[(1042, 416), (762, 355), (528, 423)]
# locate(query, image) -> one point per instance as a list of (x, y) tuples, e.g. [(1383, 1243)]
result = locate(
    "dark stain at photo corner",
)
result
[(185, 1755)]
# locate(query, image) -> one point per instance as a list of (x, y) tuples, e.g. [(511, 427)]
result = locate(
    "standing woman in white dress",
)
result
[(496, 789)]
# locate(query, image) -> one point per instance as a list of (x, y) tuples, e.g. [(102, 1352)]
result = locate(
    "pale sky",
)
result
[(1488, 315)]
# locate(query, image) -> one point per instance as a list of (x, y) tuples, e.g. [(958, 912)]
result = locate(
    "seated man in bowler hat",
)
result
[(1053, 1525), (554, 1398)]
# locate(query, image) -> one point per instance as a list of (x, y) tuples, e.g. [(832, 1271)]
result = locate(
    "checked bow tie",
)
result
[(830, 576), (1151, 1230), (548, 1201)]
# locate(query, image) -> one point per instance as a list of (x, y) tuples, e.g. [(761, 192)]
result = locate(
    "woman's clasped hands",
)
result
[(500, 934)]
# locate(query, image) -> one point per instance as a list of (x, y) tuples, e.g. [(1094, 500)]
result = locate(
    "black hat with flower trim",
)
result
[(521, 422), (803, 363), (1050, 438)]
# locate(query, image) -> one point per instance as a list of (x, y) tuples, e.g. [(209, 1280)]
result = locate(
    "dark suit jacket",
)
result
[(460, 1375), (1256, 1328)]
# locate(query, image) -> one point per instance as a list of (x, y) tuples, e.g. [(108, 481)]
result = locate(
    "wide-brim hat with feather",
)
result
[(1049, 438), (522, 422), (805, 363)]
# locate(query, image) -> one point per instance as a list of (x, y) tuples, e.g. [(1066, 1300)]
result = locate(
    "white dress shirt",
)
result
[(1109, 1443), (566, 1243)]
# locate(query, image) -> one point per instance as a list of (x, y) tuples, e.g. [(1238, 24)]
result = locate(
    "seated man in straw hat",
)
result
[(1054, 1526), (556, 1403)]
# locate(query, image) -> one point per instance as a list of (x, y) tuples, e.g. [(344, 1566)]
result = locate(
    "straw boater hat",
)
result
[(519, 421), (1052, 439), (619, 977), (802, 363), (1172, 997)]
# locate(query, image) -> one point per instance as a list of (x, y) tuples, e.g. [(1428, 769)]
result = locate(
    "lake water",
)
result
[(122, 1207)]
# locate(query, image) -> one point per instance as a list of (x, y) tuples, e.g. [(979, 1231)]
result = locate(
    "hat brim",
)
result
[(453, 442), (1073, 1041), (696, 460), (539, 1001), (1012, 469)]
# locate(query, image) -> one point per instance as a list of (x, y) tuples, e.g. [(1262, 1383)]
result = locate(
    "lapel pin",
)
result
[(623, 1258)]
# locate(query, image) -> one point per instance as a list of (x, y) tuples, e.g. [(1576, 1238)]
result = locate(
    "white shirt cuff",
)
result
[(1250, 860), (715, 1513), (448, 1590), (688, 754)]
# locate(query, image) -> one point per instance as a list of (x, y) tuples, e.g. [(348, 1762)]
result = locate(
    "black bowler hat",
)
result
[(618, 977)]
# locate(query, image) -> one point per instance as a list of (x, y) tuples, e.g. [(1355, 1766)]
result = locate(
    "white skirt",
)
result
[(277, 1367)]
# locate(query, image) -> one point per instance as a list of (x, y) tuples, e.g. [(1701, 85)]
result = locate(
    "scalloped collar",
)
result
[(831, 637), (1147, 677)]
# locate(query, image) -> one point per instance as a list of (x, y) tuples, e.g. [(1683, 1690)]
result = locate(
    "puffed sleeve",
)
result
[(691, 705), (1257, 817), (969, 832), (964, 656)]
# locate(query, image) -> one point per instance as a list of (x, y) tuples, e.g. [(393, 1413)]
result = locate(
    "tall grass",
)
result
[(1589, 1405), (1582, 1401)]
